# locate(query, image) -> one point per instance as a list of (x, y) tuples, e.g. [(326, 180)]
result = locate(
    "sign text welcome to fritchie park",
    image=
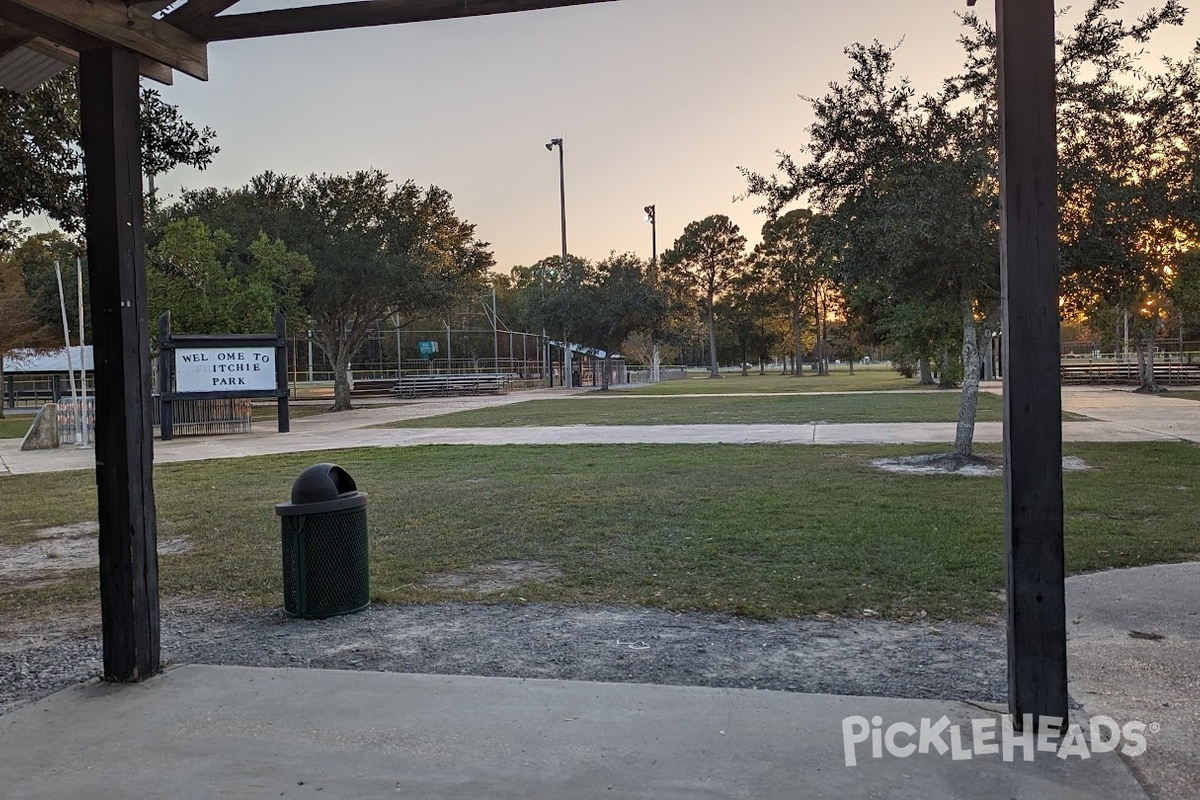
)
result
[(199, 369)]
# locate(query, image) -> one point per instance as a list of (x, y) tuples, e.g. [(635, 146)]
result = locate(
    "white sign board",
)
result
[(224, 369)]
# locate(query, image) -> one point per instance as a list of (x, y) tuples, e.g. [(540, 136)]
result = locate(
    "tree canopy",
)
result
[(375, 248), (909, 183), (41, 161), (706, 260)]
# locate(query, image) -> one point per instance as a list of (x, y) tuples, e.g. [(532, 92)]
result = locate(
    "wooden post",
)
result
[(1033, 499), (281, 378), (109, 104), (166, 408)]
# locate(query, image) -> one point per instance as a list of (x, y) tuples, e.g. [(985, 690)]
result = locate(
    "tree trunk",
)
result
[(798, 335), (745, 364), (341, 388), (1145, 356), (989, 361), (851, 361), (964, 436), (944, 381), (604, 379), (339, 341), (926, 377), (762, 366), (2, 398), (819, 347), (822, 337), (715, 368)]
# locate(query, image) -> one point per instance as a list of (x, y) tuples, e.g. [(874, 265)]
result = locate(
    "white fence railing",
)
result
[(647, 376)]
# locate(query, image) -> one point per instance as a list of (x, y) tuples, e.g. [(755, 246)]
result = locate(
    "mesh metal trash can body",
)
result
[(326, 563)]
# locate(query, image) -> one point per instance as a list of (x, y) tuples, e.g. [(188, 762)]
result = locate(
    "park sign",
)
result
[(220, 369), (427, 349), (207, 367)]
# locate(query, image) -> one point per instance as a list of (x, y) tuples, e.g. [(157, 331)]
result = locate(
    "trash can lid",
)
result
[(321, 483), (344, 502)]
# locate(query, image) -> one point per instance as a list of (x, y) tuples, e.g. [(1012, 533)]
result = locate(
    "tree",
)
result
[(911, 182), (638, 348), (191, 273), (618, 298), (41, 161), (601, 305), (1184, 293), (1129, 188), (19, 327), (790, 260), (379, 250), (706, 260), (908, 189), (845, 342), (749, 312), (11, 234), (376, 249), (36, 257), (550, 296)]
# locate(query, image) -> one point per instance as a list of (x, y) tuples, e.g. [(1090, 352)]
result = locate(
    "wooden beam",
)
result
[(363, 14), (109, 106), (111, 22), (1033, 493), (196, 12), (149, 69), (11, 39), (10, 33)]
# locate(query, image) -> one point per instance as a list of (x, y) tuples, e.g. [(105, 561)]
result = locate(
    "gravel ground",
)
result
[(952, 661)]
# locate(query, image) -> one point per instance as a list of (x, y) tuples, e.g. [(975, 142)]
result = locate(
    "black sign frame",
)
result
[(169, 342)]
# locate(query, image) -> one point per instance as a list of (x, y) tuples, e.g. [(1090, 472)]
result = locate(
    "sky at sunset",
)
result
[(658, 101)]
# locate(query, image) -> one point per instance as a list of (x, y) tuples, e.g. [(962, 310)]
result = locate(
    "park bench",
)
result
[(372, 387), (445, 385)]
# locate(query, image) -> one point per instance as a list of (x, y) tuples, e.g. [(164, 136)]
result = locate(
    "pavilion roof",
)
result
[(40, 38)]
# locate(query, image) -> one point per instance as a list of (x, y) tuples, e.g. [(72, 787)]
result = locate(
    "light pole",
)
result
[(655, 366), (562, 191)]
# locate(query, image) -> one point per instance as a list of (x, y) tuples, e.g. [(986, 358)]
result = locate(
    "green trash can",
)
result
[(326, 564)]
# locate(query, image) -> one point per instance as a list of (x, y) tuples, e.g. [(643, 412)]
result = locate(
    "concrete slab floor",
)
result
[(1133, 646), (202, 732)]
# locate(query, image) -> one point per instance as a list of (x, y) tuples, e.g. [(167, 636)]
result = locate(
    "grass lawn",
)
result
[(759, 530), (15, 427), (268, 412), (877, 378), (265, 413), (621, 409)]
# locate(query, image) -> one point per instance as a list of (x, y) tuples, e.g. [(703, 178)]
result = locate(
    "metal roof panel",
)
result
[(23, 70)]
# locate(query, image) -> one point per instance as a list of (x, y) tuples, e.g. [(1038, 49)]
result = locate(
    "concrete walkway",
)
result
[(1114, 416), (203, 732)]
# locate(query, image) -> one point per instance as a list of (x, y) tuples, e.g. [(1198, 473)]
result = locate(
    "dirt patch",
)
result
[(941, 464), (59, 550), (498, 576), (830, 656), (949, 464)]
